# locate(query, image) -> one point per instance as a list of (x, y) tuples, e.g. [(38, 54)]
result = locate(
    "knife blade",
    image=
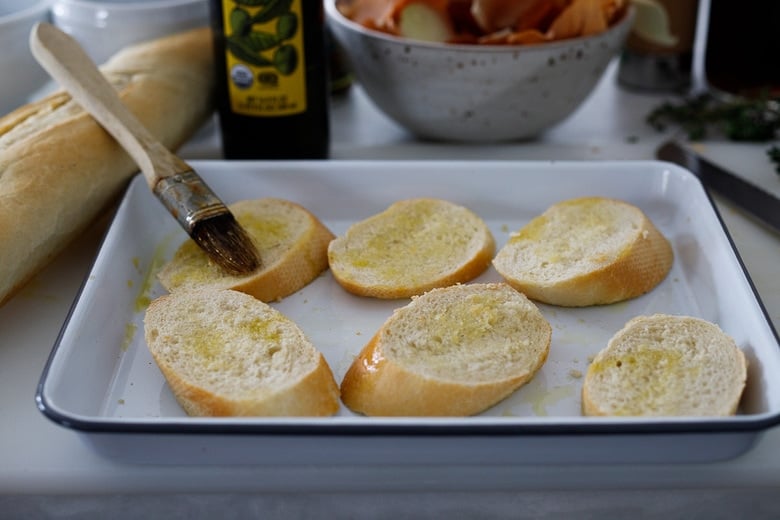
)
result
[(759, 203)]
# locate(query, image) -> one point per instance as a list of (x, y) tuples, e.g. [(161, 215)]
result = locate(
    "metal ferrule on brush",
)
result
[(189, 199)]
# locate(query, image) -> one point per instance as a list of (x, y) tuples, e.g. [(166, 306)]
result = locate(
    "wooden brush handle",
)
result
[(65, 60)]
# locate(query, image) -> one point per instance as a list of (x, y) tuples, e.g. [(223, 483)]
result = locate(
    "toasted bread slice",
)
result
[(292, 243), (225, 353), (663, 365), (411, 247), (586, 251), (452, 351)]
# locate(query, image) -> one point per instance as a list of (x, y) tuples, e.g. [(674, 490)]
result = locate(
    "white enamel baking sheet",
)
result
[(102, 381)]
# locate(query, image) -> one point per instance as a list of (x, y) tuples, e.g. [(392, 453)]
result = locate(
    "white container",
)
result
[(104, 27), (102, 381), (20, 74)]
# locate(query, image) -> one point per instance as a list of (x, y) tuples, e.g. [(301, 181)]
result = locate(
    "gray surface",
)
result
[(710, 504)]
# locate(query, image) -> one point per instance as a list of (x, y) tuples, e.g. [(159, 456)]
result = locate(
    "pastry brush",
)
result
[(180, 189)]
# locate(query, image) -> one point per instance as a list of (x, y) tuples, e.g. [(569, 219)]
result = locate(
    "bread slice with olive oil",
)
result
[(292, 243), (411, 247), (225, 353), (586, 251), (664, 365), (452, 351)]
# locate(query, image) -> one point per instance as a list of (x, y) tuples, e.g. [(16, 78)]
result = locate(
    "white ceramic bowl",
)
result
[(475, 93), (20, 74), (103, 27)]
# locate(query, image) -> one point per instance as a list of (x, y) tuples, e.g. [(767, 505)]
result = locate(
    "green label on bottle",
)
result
[(264, 57)]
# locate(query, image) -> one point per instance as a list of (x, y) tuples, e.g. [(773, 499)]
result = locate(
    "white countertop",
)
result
[(48, 471)]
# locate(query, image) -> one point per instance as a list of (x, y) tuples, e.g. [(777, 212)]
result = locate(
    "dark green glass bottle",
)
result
[(272, 78)]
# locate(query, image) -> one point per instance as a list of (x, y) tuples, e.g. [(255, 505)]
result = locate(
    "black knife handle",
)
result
[(757, 202)]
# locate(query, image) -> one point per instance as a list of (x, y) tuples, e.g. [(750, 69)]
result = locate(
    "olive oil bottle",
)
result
[(272, 78)]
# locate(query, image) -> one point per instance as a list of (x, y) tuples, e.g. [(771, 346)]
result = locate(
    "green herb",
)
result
[(740, 119), (755, 120)]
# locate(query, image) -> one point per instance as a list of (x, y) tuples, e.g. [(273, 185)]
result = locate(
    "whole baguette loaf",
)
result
[(412, 246), (586, 251), (292, 243), (664, 365), (59, 170), (225, 353), (453, 351)]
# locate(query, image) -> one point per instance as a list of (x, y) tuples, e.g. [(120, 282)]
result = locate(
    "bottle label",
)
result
[(264, 57)]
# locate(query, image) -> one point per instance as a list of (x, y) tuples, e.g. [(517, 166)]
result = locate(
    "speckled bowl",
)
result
[(475, 93)]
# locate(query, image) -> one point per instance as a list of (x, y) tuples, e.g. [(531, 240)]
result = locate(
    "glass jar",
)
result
[(658, 55)]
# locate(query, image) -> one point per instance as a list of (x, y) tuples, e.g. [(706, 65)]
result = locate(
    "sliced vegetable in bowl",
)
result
[(485, 21)]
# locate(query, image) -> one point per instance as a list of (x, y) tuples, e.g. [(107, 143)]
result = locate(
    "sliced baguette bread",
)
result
[(225, 353), (60, 171), (292, 243), (452, 351), (411, 247), (663, 365), (586, 251)]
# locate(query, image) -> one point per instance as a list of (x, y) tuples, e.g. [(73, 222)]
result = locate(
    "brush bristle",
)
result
[(227, 244)]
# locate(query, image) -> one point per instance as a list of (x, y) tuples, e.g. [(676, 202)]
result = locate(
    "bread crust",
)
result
[(634, 267), (411, 230), (202, 370), (315, 395), (292, 243), (59, 170), (380, 384), (666, 365), (371, 387)]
